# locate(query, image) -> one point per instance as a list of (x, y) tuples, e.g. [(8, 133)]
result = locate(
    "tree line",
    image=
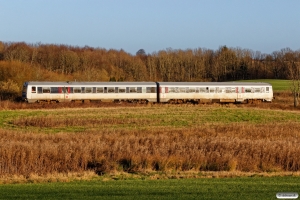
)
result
[(20, 61)]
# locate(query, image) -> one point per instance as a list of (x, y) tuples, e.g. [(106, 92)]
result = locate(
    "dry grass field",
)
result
[(47, 139)]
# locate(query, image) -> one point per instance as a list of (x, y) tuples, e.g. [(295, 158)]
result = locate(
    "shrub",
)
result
[(9, 90)]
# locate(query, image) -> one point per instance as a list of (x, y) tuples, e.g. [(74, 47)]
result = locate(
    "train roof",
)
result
[(153, 84), (75, 83)]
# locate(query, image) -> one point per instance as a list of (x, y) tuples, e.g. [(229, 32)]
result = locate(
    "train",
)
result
[(144, 92)]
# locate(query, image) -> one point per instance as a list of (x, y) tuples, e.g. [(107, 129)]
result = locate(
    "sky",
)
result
[(154, 25)]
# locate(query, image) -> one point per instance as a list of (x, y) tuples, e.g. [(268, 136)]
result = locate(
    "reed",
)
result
[(234, 147)]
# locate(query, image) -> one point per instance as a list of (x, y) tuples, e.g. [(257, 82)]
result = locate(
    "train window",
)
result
[(262, 89), (221, 90), (248, 90), (110, 90), (54, 90), (197, 90), (151, 89), (233, 90), (212, 90), (202, 90), (166, 90), (77, 90), (99, 90), (33, 89), (139, 89), (181, 90), (94, 89), (46, 89), (88, 90), (116, 89), (171, 90), (82, 89), (122, 89), (207, 90), (192, 90), (228, 90), (132, 90), (40, 90), (257, 90), (267, 89), (70, 89)]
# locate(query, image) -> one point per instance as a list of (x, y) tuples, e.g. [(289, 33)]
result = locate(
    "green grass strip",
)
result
[(204, 188)]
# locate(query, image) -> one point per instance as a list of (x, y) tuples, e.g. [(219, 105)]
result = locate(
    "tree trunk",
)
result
[(296, 95)]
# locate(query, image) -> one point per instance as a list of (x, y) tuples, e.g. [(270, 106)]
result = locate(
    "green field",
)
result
[(204, 188), (278, 85), (137, 118)]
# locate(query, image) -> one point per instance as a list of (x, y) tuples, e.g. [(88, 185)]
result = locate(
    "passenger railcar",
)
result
[(171, 92), (177, 92), (89, 91)]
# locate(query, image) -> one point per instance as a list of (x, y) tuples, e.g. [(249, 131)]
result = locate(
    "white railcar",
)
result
[(214, 91), (172, 92), (89, 91)]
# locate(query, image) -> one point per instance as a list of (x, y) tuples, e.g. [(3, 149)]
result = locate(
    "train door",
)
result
[(66, 94), (31, 93), (162, 92), (240, 91)]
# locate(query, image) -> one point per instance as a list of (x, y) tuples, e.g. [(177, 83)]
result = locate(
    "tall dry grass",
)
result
[(150, 146), (233, 147)]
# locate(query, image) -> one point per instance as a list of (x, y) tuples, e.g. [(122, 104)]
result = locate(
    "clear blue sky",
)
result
[(154, 25)]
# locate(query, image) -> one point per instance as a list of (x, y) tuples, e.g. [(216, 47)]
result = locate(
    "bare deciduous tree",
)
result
[(291, 63)]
